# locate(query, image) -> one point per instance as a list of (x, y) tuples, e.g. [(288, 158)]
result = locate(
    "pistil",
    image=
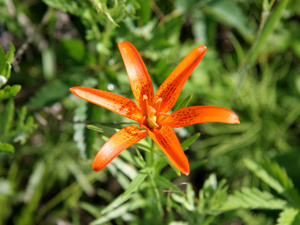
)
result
[(150, 114)]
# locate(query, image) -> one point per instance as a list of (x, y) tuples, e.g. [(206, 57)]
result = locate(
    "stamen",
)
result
[(165, 114), (145, 108), (158, 103), (162, 116), (142, 121), (158, 100)]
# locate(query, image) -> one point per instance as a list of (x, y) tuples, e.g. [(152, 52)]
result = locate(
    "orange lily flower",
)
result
[(151, 111)]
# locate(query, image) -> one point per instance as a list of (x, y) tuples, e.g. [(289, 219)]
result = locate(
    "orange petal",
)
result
[(139, 78), (121, 140), (200, 114), (166, 139), (116, 103), (172, 86)]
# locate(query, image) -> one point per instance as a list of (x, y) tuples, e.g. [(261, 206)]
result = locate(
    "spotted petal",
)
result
[(139, 78), (121, 140), (200, 114), (116, 103), (172, 86), (166, 139)]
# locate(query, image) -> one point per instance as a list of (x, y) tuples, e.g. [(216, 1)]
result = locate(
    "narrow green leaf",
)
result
[(115, 213), (94, 128), (136, 182), (165, 183), (127, 155), (268, 29), (140, 157), (90, 208), (187, 143), (184, 103), (144, 145), (122, 178), (107, 131), (124, 168), (116, 203), (177, 171)]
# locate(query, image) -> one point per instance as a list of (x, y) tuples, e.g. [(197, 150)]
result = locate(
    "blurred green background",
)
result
[(241, 174)]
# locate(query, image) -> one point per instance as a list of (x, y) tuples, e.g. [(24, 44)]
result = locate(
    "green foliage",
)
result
[(230, 13), (15, 131), (247, 198), (253, 198), (11, 131), (276, 178), (240, 174)]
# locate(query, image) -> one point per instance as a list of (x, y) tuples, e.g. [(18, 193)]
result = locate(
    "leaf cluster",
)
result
[(11, 130)]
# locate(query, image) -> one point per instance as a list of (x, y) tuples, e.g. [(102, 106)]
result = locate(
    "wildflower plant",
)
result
[(152, 111)]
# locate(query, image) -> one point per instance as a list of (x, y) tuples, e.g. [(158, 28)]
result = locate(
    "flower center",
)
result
[(150, 118)]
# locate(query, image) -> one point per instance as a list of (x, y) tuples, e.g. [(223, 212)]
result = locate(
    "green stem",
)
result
[(150, 161), (266, 27)]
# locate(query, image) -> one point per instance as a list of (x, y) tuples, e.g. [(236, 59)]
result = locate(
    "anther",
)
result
[(165, 114), (145, 108), (158, 103), (159, 100)]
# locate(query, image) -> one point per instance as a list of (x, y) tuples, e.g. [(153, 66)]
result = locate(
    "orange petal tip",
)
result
[(186, 172), (73, 89), (202, 48), (235, 119), (96, 168)]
